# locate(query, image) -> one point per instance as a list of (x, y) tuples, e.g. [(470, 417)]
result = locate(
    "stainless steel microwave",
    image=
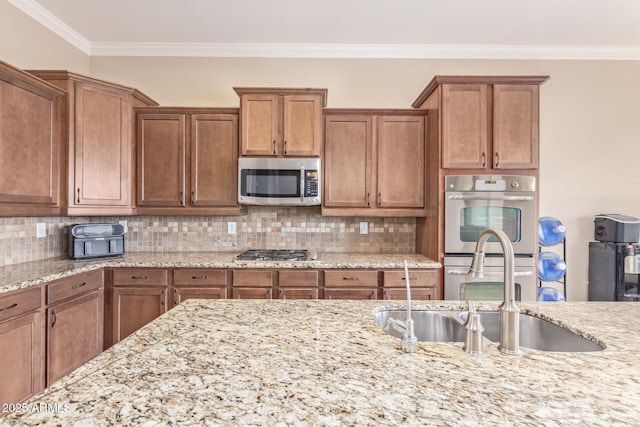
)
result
[(276, 181)]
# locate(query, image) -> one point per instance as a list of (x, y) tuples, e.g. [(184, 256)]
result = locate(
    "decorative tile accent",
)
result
[(262, 227)]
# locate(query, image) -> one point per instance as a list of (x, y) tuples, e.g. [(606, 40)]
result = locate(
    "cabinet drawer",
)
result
[(287, 278), (298, 293), (71, 286), (416, 293), (423, 279), (197, 277), (19, 302), (253, 278), (352, 293), (252, 293), (350, 278), (139, 277)]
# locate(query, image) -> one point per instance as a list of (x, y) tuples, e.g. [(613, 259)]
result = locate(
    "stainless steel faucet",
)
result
[(509, 311), (408, 342)]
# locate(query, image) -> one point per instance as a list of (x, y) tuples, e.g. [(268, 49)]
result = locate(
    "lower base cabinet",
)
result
[(199, 284), (252, 284), (297, 284), (424, 284), (350, 284), (22, 346)]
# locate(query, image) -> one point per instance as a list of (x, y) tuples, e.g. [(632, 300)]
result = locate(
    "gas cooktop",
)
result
[(274, 255)]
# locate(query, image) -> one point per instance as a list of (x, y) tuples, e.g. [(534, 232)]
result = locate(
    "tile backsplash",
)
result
[(262, 227)]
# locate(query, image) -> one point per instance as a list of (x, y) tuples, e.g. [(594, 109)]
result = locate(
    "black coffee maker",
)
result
[(614, 259)]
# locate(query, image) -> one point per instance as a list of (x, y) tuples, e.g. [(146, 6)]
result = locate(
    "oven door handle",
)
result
[(474, 197), (302, 183), (492, 273)]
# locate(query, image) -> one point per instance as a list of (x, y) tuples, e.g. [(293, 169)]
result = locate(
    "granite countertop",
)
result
[(21, 276), (286, 362)]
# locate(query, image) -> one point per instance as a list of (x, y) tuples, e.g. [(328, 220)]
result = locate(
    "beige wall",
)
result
[(590, 135)]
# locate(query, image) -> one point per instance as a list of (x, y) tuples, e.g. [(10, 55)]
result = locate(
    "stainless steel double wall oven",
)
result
[(473, 203)]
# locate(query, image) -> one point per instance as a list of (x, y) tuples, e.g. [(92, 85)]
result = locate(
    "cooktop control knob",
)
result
[(515, 184)]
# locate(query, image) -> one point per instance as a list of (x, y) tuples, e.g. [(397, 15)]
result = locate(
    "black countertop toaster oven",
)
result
[(95, 240)]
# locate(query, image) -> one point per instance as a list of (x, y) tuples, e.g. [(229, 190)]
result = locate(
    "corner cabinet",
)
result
[(98, 132), (488, 122), (187, 161), (374, 163), (281, 122), (30, 144)]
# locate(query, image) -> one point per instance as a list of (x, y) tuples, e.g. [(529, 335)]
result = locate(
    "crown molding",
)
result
[(42, 15), (377, 51)]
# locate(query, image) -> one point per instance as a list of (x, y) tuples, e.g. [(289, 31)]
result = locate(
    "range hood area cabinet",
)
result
[(281, 122), (187, 161), (97, 134), (485, 122), (374, 163), (30, 145)]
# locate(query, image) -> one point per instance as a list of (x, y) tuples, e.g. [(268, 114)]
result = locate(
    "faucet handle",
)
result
[(471, 307)]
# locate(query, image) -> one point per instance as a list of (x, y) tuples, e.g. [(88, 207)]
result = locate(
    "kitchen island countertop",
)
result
[(23, 275), (288, 362)]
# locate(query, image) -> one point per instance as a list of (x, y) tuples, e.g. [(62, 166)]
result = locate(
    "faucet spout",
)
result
[(509, 311)]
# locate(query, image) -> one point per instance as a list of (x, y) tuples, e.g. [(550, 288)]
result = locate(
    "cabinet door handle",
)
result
[(162, 295), (385, 294), (379, 199), (274, 146), (373, 294), (285, 147), (351, 278), (78, 286), (78, 200), (497, 159), (200, 277), (484, 159), (54, 318), (14, 305), (181, 198), (140, 277), (410, 278), (193, 197), (175, 297)]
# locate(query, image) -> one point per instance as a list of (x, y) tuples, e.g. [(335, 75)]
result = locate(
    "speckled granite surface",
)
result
[(285, 362), (32, 273)]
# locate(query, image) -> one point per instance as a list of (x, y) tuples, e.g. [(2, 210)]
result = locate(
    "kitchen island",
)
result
[(286, 362)]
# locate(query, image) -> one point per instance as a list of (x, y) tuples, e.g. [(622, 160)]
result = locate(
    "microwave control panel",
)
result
[(311, 183)]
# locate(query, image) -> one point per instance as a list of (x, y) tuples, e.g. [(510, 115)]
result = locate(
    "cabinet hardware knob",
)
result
[(78, 286), (78, 195), (497, 159), (484, 159), (14, 305), (140, 277), (54, 318), (274, 146)]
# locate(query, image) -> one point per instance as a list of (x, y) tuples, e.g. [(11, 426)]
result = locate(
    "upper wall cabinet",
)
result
[(374, 163), (30, 161), (98, 130), (187, 161), (487, 122), (281, 122)]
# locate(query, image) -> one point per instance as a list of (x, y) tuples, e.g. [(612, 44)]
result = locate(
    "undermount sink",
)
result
[(448, 326)]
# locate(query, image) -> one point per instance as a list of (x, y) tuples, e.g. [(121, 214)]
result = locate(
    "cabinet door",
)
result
[(416, 293), (214, 160), (161, 160), (259, 124), (298, 293), (251, 293), (354, 293), (347, 161), (74, 334), (465, 125), (183, 294), (102, 146), (29, 148), (135, 307), (302, 125), (22, 357), (515, 126), (401, 160)]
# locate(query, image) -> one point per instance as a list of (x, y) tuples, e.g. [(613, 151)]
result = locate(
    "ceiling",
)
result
[(527, 29)]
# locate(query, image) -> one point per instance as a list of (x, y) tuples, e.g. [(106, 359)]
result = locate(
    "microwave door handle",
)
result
[(507, 198), (302, 183)]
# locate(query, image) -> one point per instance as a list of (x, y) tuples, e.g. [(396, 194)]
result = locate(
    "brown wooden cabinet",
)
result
[(374, 163), (75, 321), (350, 284), (199, 283), (252, 284), (22, 340), (139, 295), (187, 161), (98, 132), (280, 121), (30, 144), (487, 122), (298, 284), (424, 284)]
